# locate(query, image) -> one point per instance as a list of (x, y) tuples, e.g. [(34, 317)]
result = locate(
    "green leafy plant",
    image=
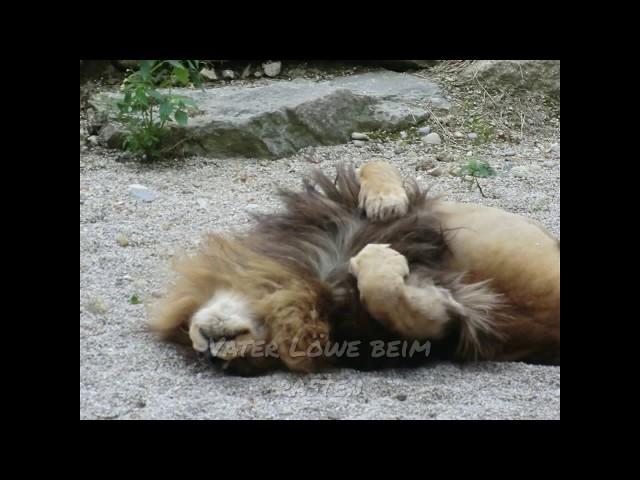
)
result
[(146, 112), (134, 300), (476, 170)]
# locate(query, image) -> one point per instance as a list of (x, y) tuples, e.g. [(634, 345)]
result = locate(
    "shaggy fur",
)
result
[(292, 270)]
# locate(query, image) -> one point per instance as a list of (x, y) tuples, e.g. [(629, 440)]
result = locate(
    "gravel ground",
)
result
[(126, 244)]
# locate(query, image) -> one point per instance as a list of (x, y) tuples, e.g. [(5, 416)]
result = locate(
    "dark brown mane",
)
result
[(324, 217), (321, 227)]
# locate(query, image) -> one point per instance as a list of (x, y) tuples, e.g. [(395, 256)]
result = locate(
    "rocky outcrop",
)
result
[(532, 75), (279, 119)]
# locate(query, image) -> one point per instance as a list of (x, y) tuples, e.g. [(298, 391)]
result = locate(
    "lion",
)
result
[(366, 258)]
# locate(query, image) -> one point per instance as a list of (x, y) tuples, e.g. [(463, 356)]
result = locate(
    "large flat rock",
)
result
[(531, 75), (279, 119)]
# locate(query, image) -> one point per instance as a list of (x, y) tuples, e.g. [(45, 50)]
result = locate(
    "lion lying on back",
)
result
[(364, 259)]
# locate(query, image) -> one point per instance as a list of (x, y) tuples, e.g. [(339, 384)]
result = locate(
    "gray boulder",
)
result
[(533, 75), (279, 119)]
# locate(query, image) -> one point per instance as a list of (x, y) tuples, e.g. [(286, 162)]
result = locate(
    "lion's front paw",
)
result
[(223, 327), (381, 273), (380, 261), (383, 202)]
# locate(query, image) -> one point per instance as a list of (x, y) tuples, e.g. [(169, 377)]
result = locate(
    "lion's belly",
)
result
[(523, 262)]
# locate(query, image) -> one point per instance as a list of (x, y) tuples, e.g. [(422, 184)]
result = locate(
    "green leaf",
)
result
[(195, 77), (175, 63), (485, 170), (145, 69), (181, 117), (165, 111), (134, 300), (181, 74), (157, 95), (141, 97)]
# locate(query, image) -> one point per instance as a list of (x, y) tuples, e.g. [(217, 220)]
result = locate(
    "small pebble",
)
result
[(209, 73), (458, 134), (359, 136), (97, 306), (432, 139), (424, 130), (403, 134), (473, 136), (448, 120), (122, 240), (272, 69), (402, 397), (142, 192), (426, 164), (436, 172), (455, 171), (228, 74), (445, 157), (359, 143)]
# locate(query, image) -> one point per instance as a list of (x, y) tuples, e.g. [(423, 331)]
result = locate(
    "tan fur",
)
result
[(518, 258), (412, 306), (382, 194), (276, 295), (522, 260), (381, 274)]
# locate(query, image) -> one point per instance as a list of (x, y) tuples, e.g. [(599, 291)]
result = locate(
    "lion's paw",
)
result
[(383, 204), (379, 260)]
